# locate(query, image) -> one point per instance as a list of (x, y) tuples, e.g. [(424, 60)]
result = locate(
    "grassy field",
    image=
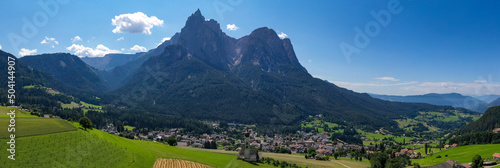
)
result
[(19, 113), (130, 128), (316, 123), (49, 90), (71, 105), (299, 159), (76, 105), (35, 126), (99, 149), (462, 154), (89, 105), (372, 136)]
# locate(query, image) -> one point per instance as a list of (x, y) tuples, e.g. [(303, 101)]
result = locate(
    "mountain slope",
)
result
[(254, 79), (451, 99), (110, 61), (494, 103), (26, 76), (489, 121), (117, 67), (487, 98), (67, 69)]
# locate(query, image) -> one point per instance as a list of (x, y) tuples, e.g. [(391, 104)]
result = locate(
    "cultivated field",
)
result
[(174, 163), (68, 149)]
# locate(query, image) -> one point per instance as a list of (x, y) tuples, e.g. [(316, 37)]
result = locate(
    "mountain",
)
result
[(28, 76), (494, 103), (115, 68), (24, 75), (487, 98), (67, 69), (489, 121), (110, 61), (451, 99), (208, 75)]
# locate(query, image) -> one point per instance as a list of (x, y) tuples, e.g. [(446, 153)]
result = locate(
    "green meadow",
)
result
[(28, 125), (35, 126), (94, 148), (462, 154)]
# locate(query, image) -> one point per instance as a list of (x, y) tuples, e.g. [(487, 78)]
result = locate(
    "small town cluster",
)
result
[(300, 142)]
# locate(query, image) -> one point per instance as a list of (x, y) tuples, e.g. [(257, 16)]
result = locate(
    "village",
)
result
[(299, 143)]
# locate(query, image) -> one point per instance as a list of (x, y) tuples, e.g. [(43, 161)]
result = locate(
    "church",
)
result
[(247, 154)]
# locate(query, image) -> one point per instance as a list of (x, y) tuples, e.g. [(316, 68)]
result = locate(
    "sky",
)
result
[(393, 47)]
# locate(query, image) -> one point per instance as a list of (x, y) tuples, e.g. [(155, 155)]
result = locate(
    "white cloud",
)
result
[(75, 39), (309, 60), (480, 81), (50, 41), (386, 78), (120, 39), (231, 27), (83, 51), (282, 35), (138, 48), (135, 23), (165, 39), (25, 52), (0, 47)]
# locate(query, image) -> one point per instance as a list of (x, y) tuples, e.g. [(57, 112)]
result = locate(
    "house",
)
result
[(450, 164), (110, 128), (46, 116), (496, 155), (496, 130)]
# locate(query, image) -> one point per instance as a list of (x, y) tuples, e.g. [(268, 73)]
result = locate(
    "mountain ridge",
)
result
[(253, 79), (449, 99), (67, 69)]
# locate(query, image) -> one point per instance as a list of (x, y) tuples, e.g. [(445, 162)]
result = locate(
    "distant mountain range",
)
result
[(487, 98), (203, 74), (450, 99)]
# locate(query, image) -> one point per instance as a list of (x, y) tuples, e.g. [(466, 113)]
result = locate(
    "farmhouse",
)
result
[(496, 130), (496, 155)]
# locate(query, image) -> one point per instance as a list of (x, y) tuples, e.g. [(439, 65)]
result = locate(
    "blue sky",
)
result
[(427, 46)]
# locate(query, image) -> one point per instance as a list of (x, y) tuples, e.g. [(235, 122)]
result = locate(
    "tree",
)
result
[(312, 152), (416, 165), (477, 162), (172, 141), (378, 160), (336, 155), (85, 123), (213, 145), (425, 145)]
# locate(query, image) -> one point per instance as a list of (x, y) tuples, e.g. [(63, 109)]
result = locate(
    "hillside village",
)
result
[(299, 143)]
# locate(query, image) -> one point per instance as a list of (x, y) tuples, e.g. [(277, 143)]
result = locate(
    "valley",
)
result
[(206, 96)]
